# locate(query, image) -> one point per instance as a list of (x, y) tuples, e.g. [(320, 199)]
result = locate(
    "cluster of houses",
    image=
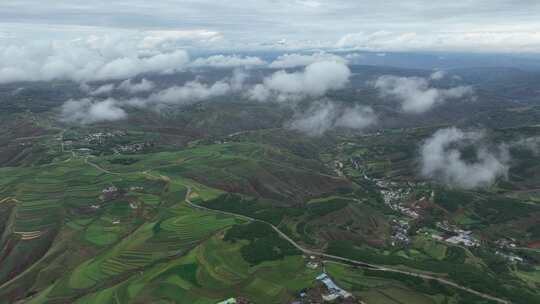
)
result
[(237, 300), (334, 291), (98, 138), (460, 236), (101, 137), (338, 168), (132, 148), (400, 232), (393, 196), (109, 193), (510, 257), (463, 239), (326, 290), (506, 243)]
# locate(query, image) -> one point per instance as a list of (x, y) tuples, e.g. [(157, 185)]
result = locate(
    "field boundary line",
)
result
[(346, 260), (321, 254)]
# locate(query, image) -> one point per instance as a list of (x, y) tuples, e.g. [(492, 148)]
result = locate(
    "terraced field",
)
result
[(252, 169), (95, 230), (141, 223)]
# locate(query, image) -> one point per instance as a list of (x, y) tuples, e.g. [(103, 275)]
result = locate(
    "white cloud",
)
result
[(222, 61), (472, 25), (442, 160), (259, 92), (105, 89), (324, 116), (437, 75), (127, 67), (134, 88), (87, 111), (416, 94), (297, 60), (357, 118), (83, 60), (316, 80), (172, 38), (190, 92), (90, 110), (486, 39), (315, 121)]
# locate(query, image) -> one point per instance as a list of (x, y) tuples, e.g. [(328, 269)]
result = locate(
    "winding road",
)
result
[(329, 258), (333, 258)]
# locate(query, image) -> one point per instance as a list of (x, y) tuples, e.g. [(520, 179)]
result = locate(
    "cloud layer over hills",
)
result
[(316, 79), (416, 94), (324, 116), (442, 160)]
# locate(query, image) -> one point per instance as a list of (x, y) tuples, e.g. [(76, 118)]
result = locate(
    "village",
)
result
[(325, 290), (114, 142), (393, 195)]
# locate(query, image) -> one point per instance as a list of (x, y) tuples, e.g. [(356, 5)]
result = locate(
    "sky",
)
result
[(495, 26)]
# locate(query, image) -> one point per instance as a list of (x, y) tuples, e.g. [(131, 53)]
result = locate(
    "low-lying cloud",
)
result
[(105, 89), (442, 160), (222, 61), (487, 39), (416, 94), (91, 110), (88, 110), (314, 81), (134, 88), (190, 92), (299, 60), (324, 116), (110, 57), (437, 75), (126, 86), (82, 62)]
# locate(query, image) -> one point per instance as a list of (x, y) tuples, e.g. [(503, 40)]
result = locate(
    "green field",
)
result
[(68, 238)]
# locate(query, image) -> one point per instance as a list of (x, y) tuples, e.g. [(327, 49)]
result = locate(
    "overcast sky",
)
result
[(427, 25)]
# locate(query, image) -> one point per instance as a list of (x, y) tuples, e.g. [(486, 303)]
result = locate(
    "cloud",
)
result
[(297, 60), (473, 25), (416, 94), (357, 118), (222, 61), (174, 38), (314, 81), (127, 67), (324, 116), (490, 39), (442, 160), (109, 57), (315, 121), (437, 75), (105, 89), (134, 88), (84, 60), (88, 110), (191, 92)]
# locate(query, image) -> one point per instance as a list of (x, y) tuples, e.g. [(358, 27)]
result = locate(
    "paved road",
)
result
[(100, 168), (331, 258)]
